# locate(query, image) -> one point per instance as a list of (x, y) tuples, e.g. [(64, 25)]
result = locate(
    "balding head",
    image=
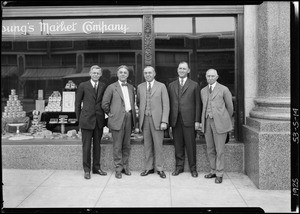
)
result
[(212, 71), (211, 76)]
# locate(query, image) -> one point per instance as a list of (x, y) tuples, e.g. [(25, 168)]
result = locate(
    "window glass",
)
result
[(203, 42), (53, 51), (173, 25)]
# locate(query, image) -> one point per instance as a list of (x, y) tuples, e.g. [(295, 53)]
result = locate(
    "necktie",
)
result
[(149, 87), (181, 82), (124, 84), (210, 89), (95, 87)]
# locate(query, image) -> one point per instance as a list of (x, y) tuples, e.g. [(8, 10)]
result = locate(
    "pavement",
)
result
[(68, 189)]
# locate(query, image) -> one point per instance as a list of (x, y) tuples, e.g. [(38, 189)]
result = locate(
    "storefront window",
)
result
[(44, 54), (203, 42)]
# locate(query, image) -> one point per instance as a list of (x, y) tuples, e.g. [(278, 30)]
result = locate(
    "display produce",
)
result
[(13, 109), (14, 118), (54, 102)]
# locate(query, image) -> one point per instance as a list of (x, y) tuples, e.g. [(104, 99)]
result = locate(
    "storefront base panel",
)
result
[(67, 155), (267, 153)]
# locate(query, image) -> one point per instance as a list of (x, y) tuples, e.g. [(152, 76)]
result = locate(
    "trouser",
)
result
[(184, 138), (87, 136), (215, 147), (153, 145), (121, 144)]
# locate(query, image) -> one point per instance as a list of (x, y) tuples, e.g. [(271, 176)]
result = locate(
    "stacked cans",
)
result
[(54, 102), (13, 109)]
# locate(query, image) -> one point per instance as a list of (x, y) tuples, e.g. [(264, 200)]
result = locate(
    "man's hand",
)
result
[(163, 126)]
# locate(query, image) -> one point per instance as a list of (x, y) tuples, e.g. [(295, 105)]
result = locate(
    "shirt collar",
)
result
[(93, 83), (184, 80), (151, 83), (121, 83), (213, 85)]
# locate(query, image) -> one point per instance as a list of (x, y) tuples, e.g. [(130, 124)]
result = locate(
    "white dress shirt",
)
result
[(184, 80), (126, 96)]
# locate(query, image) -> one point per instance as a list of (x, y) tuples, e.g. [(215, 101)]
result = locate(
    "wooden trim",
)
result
[(103, 11)]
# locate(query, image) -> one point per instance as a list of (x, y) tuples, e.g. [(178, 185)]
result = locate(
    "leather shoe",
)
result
[(118, 175), (194, 174), (87, 175), (147, 172), (126, 172), (210, 175), (218, 180), (161, 174), (99, 172), (177, 172)]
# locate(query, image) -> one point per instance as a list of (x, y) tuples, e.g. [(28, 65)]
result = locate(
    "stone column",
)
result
[(266, 133)]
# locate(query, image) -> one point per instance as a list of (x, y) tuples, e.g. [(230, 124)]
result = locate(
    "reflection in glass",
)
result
[(57, 62), (208, 42), (173, 25)]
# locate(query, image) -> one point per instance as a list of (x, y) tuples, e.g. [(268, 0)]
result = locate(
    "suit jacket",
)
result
[(222, 107), (91, 109), (113, 102), (189, 105), (160, 106)]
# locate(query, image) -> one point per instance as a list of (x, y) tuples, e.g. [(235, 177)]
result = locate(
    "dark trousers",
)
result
[(121, 144), (87, 136), (184, 138)]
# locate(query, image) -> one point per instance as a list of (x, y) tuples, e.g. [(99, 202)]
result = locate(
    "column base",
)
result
[(267, 153)]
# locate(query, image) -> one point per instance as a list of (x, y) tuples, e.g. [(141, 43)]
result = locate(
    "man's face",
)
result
[(149, 74), (211, 76), (95, 74), (183, 70), (123, 74)]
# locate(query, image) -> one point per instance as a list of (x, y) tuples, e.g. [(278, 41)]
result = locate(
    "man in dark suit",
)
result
[(118, 104), (185, 111), (91, 119), (154, 109), (216, 122)]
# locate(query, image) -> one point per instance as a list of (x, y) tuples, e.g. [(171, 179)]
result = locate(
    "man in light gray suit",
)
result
[(216, 122), (154, 109), (118, 104)]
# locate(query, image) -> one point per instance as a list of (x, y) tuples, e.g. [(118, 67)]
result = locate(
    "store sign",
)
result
[(71, 26)]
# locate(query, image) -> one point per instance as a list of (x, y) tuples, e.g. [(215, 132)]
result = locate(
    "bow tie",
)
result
[(124, 84)]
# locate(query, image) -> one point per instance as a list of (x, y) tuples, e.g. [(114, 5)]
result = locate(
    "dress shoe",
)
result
[(194, 174), (87, 175), (177, 172), (118, 175), (218, 180), (99, 172), (147, 172), (126, 172), (161, 174), (210, 175)]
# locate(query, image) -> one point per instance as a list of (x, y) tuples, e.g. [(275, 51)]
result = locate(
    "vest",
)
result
[(209, 107), (148, 103)]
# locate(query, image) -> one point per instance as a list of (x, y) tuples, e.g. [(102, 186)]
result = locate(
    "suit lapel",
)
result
[(207, 96), (119, 90), (154, 87), (215, 91), (177, 88), (91, 88), (186, 85)]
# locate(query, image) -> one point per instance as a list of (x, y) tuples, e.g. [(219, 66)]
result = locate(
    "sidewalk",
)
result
[(68, 189)]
